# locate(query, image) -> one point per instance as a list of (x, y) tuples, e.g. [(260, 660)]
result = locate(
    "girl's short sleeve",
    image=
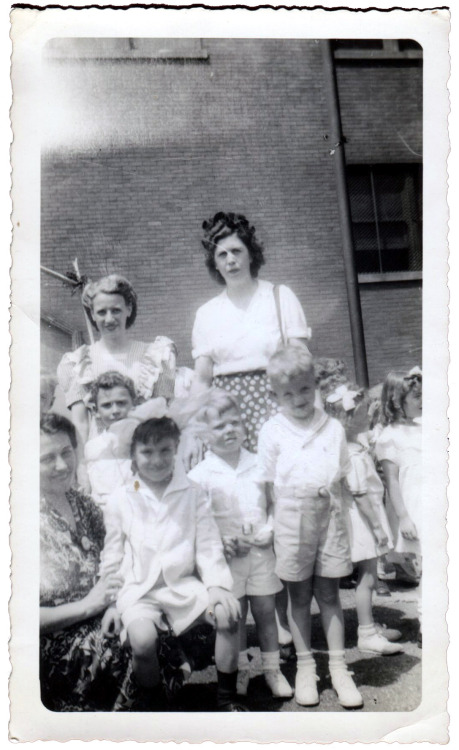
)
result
[(294, 322), (200, 342), (267, 455), (356, 477), (386, 449)]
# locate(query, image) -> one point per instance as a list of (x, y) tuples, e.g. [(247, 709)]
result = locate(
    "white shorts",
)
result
[(182, 606), (254, 574), (310, 539)]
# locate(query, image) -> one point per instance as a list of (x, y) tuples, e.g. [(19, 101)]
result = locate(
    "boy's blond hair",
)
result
[(289, 361), (220, 401)]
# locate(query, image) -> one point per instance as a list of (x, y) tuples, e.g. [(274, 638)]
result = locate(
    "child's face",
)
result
[(296, 397), (113, 404), (412, 405), (155, 461), (225, 432)]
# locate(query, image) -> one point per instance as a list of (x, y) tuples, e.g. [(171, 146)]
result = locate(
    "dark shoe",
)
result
[(233, 707)]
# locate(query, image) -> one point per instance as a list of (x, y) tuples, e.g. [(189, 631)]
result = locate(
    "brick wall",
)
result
[(243, 133)]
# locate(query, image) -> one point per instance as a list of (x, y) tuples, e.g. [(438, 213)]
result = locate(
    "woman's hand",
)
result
[(408, 529), (229, 546), (191, 450), (101, 595), (111, 623)]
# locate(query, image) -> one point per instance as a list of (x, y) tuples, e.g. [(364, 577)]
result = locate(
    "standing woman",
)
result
[(111, 304), (235, 333)]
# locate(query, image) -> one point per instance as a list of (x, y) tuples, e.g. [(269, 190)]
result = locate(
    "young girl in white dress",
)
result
[(399, 449), (369, 531)]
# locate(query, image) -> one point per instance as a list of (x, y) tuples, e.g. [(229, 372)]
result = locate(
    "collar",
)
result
[(247, 461), (178, 483), (307, 433)]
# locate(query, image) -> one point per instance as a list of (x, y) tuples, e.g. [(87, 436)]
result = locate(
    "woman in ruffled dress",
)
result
[(111, 304)]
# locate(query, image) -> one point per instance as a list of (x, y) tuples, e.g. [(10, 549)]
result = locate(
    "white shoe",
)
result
[(278, 684), (390, 634), (375, 643), (243, 679), (306, 693), (348, 695)]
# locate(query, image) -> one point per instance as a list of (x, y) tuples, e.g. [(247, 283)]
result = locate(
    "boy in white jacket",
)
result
[(160, 531)]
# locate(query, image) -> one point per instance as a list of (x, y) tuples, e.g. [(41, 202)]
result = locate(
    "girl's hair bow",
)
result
[(414, 374), (347, 397)]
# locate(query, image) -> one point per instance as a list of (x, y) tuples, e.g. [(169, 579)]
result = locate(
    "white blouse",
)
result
[(243, 340)]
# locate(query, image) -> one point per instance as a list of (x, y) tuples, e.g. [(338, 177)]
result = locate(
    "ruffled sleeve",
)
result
[(75, 375), (386, 448), (156, 376), (356, 477)]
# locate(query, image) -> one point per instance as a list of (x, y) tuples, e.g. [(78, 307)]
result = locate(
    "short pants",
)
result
[(253, 574), (310, 538)]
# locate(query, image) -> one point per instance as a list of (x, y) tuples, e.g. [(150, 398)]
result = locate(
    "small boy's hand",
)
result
[(264, 536), (229, 546), (381, 537), (243, 547), (111, 623), (224, 607), (408, 529)]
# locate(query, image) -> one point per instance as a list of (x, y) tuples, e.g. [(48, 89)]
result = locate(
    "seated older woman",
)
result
[(80, 668), (111, 305)]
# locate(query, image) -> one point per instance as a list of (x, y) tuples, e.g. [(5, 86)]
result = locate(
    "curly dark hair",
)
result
[(113, 284), (112, 379), (52, 423), (223, 225)]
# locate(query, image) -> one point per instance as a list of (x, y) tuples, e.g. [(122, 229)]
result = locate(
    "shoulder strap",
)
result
[(278, 311)]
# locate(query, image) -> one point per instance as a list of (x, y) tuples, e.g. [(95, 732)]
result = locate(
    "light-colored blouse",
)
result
[(243, 340)]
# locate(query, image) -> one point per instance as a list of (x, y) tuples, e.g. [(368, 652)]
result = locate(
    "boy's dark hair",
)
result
[(52, 423), (109, 380), (154, 429)]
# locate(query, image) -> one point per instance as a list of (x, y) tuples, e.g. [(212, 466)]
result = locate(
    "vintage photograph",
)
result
[(229, 507)]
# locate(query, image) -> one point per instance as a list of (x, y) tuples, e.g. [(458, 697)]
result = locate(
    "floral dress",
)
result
[(80, 670)]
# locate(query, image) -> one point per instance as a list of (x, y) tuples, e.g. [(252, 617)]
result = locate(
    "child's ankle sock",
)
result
[(305, 660), (336, 660), (226, 688), (270, 660), (366, 630)]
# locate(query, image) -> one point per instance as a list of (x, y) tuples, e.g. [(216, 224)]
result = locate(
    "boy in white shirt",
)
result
[(160, 531), (303, 458), (229, 476), (107, 455)]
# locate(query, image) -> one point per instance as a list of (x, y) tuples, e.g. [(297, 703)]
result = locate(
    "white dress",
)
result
[(362, 479), (402, 445)]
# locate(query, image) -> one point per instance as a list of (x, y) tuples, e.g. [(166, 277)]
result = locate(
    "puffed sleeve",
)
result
[(267, 455), (75, 375), (356, 477), (210, 560), (386, 449), (201, 345), (293, 318), (157, 369)]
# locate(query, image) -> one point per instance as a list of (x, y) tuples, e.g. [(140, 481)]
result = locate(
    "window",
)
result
[(386, 217)]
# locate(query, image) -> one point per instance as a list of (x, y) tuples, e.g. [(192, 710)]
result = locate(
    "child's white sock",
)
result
[(305, 659), (306, 679), (270, 660), (274, 678), (342, 681)]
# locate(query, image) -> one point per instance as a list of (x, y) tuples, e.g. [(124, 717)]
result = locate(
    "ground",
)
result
[(387, 683)]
